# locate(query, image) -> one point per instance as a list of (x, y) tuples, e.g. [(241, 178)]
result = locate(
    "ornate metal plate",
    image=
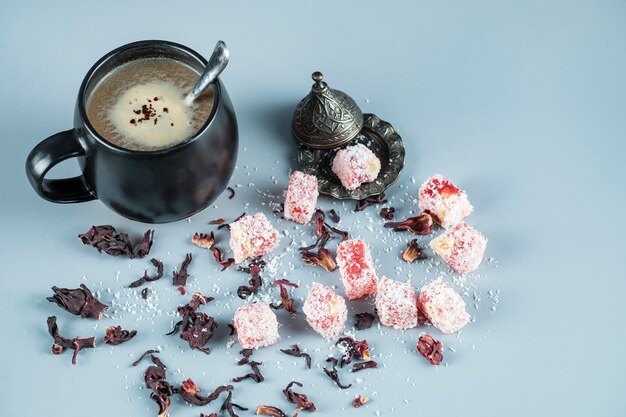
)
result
[(377, 135)]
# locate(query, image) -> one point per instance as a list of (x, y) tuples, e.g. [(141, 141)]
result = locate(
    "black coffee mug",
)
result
[(149, 186)]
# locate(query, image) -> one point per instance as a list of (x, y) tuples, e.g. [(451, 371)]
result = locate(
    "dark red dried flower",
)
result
[(334, 215), (203, 240), (301, 400), (268, 410), (143, 355), (323, 258), (147, 278), (217, 221), (106, 239), (154, 378), (197, 328), (62, 343), (353, 348), (333, 374), (419, 225), (320, 218), (180, 276), (284, 295), (255, 375), (255, 281), (231, 193), (364, 320), (295, 351), (229, 406), (413, 252), (115, 335), (227, 225), (344, 235), (224, 262), (387, 213), (430, 349), (79, 301), (144, 293), (359, 401), (364, 365), (189, 391), (369, 201)]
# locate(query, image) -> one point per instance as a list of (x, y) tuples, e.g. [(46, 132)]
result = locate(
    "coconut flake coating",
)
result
[(301, 197), (252, 236), (461, 247), (325, 311), (256, 325), (443, 306), (357, 268), (445, 200), (396, 304), (355, 165)]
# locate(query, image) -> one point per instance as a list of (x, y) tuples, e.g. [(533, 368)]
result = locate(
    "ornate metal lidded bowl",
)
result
[(327, 120)]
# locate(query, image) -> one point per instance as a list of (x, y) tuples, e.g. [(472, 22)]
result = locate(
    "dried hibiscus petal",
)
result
[(255, 281), (203, 240), (143, 355), (419, 225), (323, 258), (154, 378), (296, 351), (217, 221), (333, 374), (287, 302), (189, 391), (413, 252), (430, 349), (224, 262), (301, 400), (115, 335), (61, 343), (229, 406), (364, 320), (231, 192), (255, 375), (333, 215), (369, 201), (79, 301), (359, 401), (268, 410), (199, 331), (180, 276), (387, 213), (344, 235), (364, 365), (106, 239), (147, 278)]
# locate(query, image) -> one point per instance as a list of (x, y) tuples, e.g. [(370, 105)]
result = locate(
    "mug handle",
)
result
[(48, 153)]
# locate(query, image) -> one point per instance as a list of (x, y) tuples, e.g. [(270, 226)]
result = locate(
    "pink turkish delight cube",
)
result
[(396, 304), (325, 311), (252, 236), (356, 268), (445, 200), (256, 325), (355, 165), (461, 247), (301, 197), (443, 306)]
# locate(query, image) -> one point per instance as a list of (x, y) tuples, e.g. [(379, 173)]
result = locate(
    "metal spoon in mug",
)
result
[(215, 66)]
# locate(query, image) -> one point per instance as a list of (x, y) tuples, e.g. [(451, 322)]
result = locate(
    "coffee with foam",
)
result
[(141, 105)]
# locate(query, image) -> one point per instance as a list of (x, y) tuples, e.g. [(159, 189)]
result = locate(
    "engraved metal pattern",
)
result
[(377, 135), (326, 118)]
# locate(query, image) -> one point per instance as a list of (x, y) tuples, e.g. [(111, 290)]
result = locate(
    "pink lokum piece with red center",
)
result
[(357, 268), (443, 306), (301, 197), (256, 325), (355, 165), (325, 311), (445, 200), (461, 247), (396, 304), (252, 236)]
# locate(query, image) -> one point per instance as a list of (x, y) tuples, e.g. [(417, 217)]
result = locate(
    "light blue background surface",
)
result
[(523, 104)]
